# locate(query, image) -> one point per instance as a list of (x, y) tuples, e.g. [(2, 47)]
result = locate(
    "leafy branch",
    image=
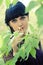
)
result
[(31, 42)]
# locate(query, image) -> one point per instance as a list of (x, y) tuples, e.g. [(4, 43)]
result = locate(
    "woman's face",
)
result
[(19, 24)]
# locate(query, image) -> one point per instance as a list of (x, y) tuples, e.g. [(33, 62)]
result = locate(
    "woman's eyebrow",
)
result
[(22, 17)]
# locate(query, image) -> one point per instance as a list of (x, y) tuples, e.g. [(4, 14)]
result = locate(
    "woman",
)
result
[(17, 20)]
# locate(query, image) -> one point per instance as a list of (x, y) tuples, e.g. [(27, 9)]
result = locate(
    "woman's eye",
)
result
[(22, 18), (14, 20)]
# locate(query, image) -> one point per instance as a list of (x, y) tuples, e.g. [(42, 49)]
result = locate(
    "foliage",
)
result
[(15, 1), (1, 2), (7, 3), (31, 40), (38, 12), (1, 61), (31, 5)]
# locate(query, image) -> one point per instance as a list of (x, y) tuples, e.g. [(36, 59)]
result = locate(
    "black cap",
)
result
[(14, 11)]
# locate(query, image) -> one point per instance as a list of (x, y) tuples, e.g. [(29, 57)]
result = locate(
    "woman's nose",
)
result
[(20, 24)]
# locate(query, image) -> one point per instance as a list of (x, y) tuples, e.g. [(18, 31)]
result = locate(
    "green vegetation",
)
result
[(31, 40)]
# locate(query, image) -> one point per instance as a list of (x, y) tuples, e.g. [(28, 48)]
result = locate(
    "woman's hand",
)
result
[(16, 41)]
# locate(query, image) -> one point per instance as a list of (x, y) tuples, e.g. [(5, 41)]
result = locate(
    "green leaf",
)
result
[(33, 52), (31, 5), (16, 33), (8, 49), (39, 14), (27, 50), (1, 41), (15, 1), (6, 39), (22, 52), (7, 3), (2, 61), (40, 1), (5, 43), (1, 1), (32, 28), (34, 42), (13, 60)]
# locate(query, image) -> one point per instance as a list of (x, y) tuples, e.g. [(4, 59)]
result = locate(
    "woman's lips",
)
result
[(21, 28)]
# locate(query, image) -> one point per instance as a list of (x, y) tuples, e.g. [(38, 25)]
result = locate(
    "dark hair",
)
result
[(13, 12)]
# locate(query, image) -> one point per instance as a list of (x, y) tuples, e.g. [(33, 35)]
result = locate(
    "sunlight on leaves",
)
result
[(1, 1), (39, 14), (7, 3)]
